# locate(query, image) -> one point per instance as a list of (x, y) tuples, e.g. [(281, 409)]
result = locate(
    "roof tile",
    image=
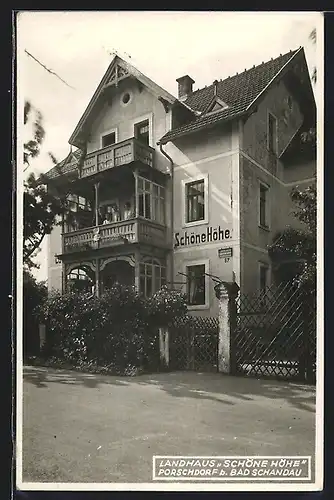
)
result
[(237, 91)]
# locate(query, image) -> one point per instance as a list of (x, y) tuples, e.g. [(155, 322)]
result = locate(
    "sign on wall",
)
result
[(208, 236), (224, 253)]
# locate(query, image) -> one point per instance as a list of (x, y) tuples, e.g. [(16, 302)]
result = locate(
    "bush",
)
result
[(119, 329), (166, 305)]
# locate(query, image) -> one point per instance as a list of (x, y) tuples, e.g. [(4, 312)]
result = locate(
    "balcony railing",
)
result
[(121, 153), (116, 233)]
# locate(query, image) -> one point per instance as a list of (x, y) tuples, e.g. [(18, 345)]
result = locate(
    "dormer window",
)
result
[(216, 105)]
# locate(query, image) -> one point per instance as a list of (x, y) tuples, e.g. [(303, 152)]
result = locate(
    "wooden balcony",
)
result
[(137, 230), (121, 153)]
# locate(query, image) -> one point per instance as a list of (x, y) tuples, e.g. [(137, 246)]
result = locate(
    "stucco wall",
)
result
[(214, 155), (250, 262), (54, 268), (255, 137), (215, 266)]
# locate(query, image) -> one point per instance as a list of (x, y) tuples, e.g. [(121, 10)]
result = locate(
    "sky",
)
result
[(78, 47)]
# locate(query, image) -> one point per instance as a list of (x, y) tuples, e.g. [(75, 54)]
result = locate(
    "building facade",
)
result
[(183, 191)]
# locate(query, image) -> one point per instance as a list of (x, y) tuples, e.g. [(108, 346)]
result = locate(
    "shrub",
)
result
[(120, 328), (166, 305)]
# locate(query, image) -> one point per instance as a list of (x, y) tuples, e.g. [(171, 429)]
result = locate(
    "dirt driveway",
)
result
[(92, 428)]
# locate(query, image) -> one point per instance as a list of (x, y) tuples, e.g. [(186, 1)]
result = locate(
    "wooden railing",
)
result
[(137, 230), (121, 153)]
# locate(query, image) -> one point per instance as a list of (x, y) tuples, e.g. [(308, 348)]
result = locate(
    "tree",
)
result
[(310, 135), (297, 247), (313, 38), (41, 208)]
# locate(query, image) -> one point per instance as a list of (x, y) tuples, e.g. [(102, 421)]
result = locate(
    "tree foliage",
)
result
[(313, 38), (31, 148), (34, 294), (298, 246), (41, 208)]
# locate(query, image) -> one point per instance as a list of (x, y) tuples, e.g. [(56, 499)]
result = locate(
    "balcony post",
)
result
[(135, 173), (97, 202), (137, 271)]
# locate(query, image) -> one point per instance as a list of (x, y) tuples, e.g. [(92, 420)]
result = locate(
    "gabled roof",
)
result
[(118, 70), (66, 166), (239, 92)]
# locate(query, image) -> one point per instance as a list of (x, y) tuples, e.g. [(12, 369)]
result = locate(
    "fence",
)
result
[(274, 334), (194, 343), (267, 334)]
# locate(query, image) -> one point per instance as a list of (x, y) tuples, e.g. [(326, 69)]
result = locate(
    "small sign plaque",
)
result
[(225, 253)]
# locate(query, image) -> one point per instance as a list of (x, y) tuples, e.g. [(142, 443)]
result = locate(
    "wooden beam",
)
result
[(165, 104)]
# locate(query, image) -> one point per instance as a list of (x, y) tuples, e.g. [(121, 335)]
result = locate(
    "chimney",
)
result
[(185, 86), (215, 85)]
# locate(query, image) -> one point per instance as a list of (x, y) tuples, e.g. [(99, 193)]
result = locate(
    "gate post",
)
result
[(164, 346), (226, 293)]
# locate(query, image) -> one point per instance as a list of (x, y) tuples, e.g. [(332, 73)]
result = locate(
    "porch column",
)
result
[(97, 277), (137, 271), (97, 202), (63, 279), (63, 217)]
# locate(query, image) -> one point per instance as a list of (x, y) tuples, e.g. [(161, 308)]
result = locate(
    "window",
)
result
[(152, 276), (158, 203), (126, 98), (108, 139), (78, 279), (195, 201), (144, 198), (142, 131), (263, 278), (263, 206), (151, 200), (272, 133), (196, 293), (79, 213)]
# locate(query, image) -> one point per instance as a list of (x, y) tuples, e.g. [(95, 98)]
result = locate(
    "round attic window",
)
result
[(126, 97)]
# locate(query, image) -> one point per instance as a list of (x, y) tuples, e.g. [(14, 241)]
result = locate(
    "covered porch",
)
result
[(146, 272), (120, 206)]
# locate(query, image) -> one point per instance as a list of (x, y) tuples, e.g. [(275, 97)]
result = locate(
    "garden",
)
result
[(116, 333)]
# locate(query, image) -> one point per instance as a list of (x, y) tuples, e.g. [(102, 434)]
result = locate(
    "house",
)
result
[(165, 190)]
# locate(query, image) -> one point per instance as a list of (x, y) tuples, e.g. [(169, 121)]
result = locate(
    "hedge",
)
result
[(118, 329)]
